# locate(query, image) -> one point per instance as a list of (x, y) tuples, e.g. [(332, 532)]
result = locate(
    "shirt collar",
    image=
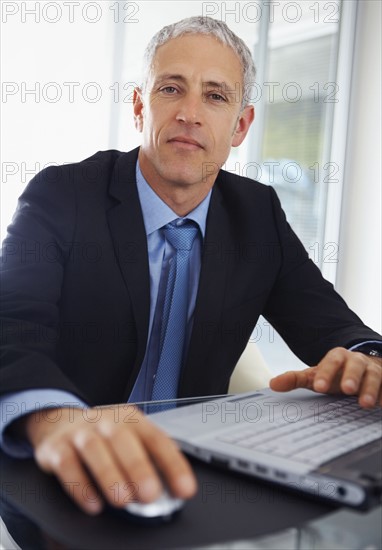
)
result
[(156, 213)]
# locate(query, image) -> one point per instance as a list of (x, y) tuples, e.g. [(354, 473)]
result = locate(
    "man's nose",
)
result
[(190, 109)]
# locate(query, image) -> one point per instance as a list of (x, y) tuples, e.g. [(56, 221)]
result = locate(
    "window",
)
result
[(299, 93)]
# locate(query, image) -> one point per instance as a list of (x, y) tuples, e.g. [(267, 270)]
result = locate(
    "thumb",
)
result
[(293, 379)]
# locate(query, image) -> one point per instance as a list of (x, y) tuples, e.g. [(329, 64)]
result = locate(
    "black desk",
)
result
[(227, 508)]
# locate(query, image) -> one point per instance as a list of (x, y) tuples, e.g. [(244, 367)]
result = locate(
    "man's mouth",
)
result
[(186, 142)]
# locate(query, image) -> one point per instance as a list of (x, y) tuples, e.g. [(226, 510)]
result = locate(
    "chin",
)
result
[(182, 179), (182, 174)]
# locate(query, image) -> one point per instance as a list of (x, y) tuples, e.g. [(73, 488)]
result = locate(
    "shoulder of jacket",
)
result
[(90, 170), (228, 181)]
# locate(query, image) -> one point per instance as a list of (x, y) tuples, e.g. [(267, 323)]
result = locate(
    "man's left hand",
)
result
[(340, 371)]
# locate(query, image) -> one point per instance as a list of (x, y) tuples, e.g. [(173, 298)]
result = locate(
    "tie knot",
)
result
[(181, 236)]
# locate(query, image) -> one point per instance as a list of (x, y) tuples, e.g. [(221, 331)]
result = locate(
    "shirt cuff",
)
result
[(15, 405), (369, 347)]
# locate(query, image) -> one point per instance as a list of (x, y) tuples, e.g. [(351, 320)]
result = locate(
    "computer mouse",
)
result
[(163, 509)]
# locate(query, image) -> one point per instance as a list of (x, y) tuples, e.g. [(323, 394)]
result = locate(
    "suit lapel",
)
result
[(130, 244)]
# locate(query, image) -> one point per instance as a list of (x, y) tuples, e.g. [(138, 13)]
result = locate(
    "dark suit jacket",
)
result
[(75, 284)]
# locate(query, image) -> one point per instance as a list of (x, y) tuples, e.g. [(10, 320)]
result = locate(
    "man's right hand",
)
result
[(107, 453)]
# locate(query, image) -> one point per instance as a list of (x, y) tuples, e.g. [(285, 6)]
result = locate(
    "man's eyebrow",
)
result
[(179, 77), (215, 84), (168, 76)]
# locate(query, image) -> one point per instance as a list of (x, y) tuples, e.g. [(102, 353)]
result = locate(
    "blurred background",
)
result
[(68, 73)]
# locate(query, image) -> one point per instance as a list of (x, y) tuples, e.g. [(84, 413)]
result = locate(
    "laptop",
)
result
[(324, 446)]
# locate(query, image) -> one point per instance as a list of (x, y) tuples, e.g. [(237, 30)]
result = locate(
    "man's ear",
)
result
[(138, 109), (245, 120)]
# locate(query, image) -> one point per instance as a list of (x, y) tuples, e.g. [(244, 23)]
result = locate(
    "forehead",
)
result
[(198, 56)]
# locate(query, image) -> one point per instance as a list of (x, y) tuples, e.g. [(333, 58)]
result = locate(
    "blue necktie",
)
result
[(174, 320)]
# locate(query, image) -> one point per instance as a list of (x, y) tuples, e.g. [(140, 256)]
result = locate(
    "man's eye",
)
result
[(169, 90), (217, 97)]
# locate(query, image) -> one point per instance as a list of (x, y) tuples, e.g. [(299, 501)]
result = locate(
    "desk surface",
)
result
[(228, 508)]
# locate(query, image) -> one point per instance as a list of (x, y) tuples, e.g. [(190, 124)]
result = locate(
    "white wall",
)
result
[(359, 269), (56, 102)]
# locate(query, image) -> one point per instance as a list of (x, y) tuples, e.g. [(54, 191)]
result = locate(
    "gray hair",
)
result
[(209, 26)]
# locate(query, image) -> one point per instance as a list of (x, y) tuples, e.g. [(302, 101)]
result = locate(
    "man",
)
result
[(84, 330)]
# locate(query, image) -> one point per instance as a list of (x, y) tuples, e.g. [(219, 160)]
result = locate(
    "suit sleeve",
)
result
[(303, 307), (38, 244)]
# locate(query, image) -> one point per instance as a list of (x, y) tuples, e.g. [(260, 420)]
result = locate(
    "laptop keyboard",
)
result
[(315, 438)]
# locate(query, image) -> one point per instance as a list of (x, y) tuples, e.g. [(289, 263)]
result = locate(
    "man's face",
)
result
[(190, 114)]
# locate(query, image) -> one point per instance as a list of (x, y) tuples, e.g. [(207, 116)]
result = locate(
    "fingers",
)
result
[(128, 449), (352, 373), (340, 370), (61, 459), (172, 464), (107, 471), (138, 449), (118, 459), (371, 388)]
